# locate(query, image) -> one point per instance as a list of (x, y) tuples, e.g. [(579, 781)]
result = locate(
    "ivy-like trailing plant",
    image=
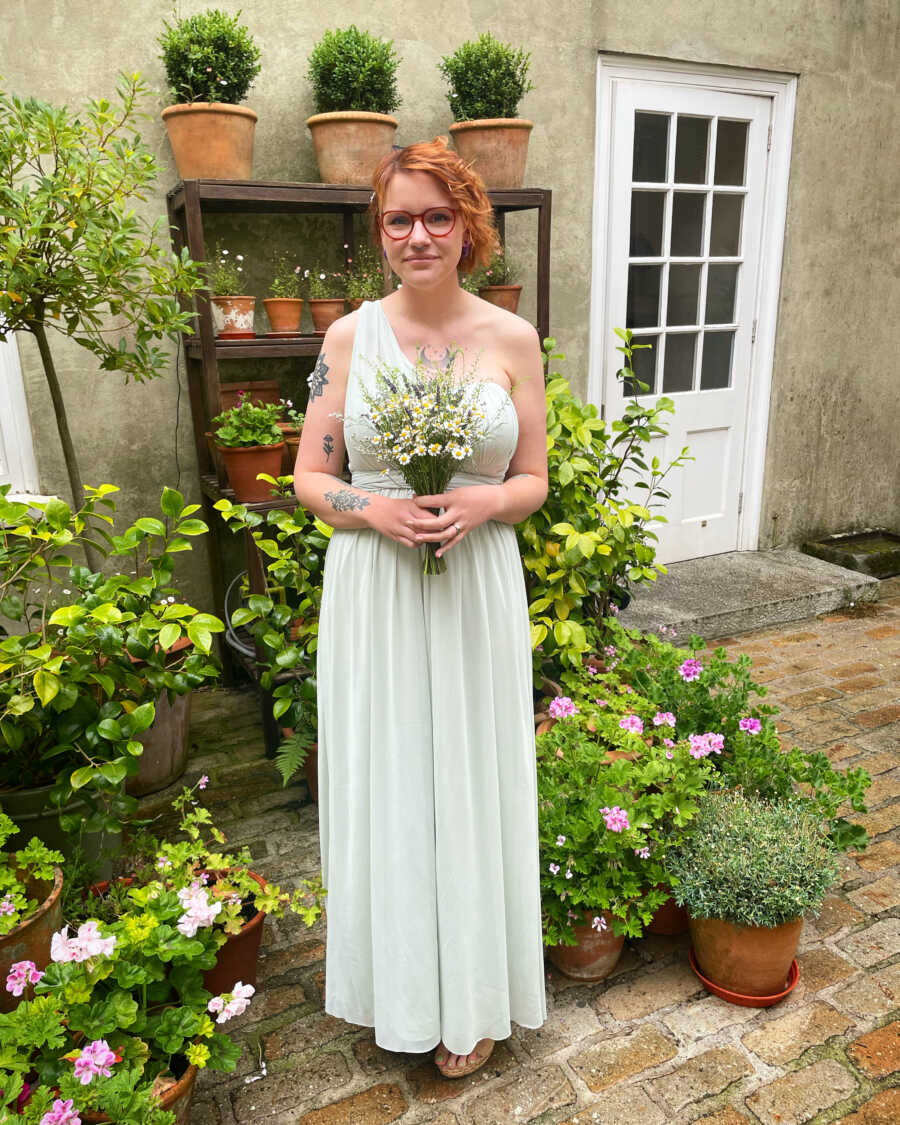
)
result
[(487, 78), (753, 862), (209, 57), (73, 250), (352, 70), (711, 694), (588, 542)]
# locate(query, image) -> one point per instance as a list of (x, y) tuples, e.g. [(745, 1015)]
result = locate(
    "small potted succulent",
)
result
[(365, 279), (487, 81), (210, 61), (251, 443), (224, 276), (747, 873), (497, 282), (285, 305), (31, 883), (326, 290), (612, 800), (354, 80)]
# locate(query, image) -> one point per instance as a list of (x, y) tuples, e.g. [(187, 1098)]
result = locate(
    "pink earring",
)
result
[(466, 248)]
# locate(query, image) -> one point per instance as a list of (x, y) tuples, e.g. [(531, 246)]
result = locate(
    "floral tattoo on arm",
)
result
[(327, 446), (346, 501), (317, 381)]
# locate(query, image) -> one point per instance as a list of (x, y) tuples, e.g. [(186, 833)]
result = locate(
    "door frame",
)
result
[(15, 426), (604, 360)]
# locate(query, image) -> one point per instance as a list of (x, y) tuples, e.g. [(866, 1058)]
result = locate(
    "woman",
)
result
[(427, 780)]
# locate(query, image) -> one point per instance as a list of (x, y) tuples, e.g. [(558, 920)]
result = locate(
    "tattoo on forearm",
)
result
[(327, 446), (317, 381), (346, 501)]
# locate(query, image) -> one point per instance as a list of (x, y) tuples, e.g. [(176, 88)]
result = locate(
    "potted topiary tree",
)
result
[(210, 61), (747, 873), (354, 79), (487, 81)]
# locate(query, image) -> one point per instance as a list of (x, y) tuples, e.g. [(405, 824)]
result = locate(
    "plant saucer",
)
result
[(283, 334), (748, 1001)]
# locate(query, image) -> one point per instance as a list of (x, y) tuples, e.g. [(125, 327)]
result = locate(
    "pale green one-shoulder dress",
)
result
[(427, 778)]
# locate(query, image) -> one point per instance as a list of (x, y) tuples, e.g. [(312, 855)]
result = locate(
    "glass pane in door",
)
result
[(684, 291), (731, 149), (687, 224), (678, 373), (715, 371), (651, 147), (721, 288), (642, 310), (691, 143), (643, 364), (646, 224), (725, 232)]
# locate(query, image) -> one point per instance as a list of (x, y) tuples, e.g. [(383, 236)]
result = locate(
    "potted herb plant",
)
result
[(210, 61), (225, 284), (326, 297), (31, 882), (487, 80), (748, 872), (365, 280), (79, 684), (497, 282), (285, 305), (251, 443), (354, 80), (611, 802)]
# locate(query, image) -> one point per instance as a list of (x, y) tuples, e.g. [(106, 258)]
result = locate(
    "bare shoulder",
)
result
[(340, 334)]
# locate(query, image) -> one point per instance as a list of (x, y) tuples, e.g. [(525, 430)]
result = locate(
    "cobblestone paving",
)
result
[(647, 1045)]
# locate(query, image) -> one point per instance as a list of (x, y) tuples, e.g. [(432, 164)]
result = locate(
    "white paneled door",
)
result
[(17, 464), (684, 223)]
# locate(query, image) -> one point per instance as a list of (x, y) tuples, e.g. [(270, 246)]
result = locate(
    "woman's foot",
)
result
[(455, 1066)]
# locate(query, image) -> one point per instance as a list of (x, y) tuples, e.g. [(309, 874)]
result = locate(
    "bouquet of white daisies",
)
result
[(425, 422)]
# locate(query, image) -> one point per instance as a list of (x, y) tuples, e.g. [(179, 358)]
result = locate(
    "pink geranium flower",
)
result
[(61, 1113), (632, 723), (690, 670), (22, 973), (616, 819), (664, 718), (95, 1059), (599, 923), (751, 726), (562, 707)]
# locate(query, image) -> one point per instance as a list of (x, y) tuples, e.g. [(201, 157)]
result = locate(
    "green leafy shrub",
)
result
[(588, 542), (487, 78), (248, 424), (209, 57), (714, 694), (752, 862), (351, 69)]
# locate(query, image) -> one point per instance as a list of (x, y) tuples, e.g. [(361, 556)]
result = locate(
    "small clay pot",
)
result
[(243, 463), (284, 313), (596, 953), (669, 919), (325, 311), (237, 317), (237, 959), (350, 143), (749, 960), (504, 296), (176, 1098)]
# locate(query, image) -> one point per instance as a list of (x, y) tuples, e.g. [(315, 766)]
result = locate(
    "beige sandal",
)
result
[(466, 1068)]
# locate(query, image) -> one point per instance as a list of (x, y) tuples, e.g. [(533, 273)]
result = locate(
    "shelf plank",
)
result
[(211, 488), (261, 347)]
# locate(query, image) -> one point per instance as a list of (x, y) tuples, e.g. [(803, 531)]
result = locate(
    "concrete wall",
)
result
[(834, 409)]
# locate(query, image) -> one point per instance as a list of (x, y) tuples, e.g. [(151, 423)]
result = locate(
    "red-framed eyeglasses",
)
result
[(438, 221)]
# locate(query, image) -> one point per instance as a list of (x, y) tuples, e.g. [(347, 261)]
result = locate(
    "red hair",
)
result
[(465, 188)]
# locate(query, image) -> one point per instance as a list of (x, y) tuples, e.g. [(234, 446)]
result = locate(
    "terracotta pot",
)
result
[(30, 940), (545, 724), (33, 815), (237, 958), (244, 462), (237, 317), (325, 311), (166, 746), (349, 144), (496, 148), (175, 1098), (211, 140), (355, 303), (284, 313), (596, 954), (504, 296), (290, 456), (750, 960), (669, 919)]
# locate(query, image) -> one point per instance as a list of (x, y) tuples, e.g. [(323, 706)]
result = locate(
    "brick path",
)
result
[(647, 1045)]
